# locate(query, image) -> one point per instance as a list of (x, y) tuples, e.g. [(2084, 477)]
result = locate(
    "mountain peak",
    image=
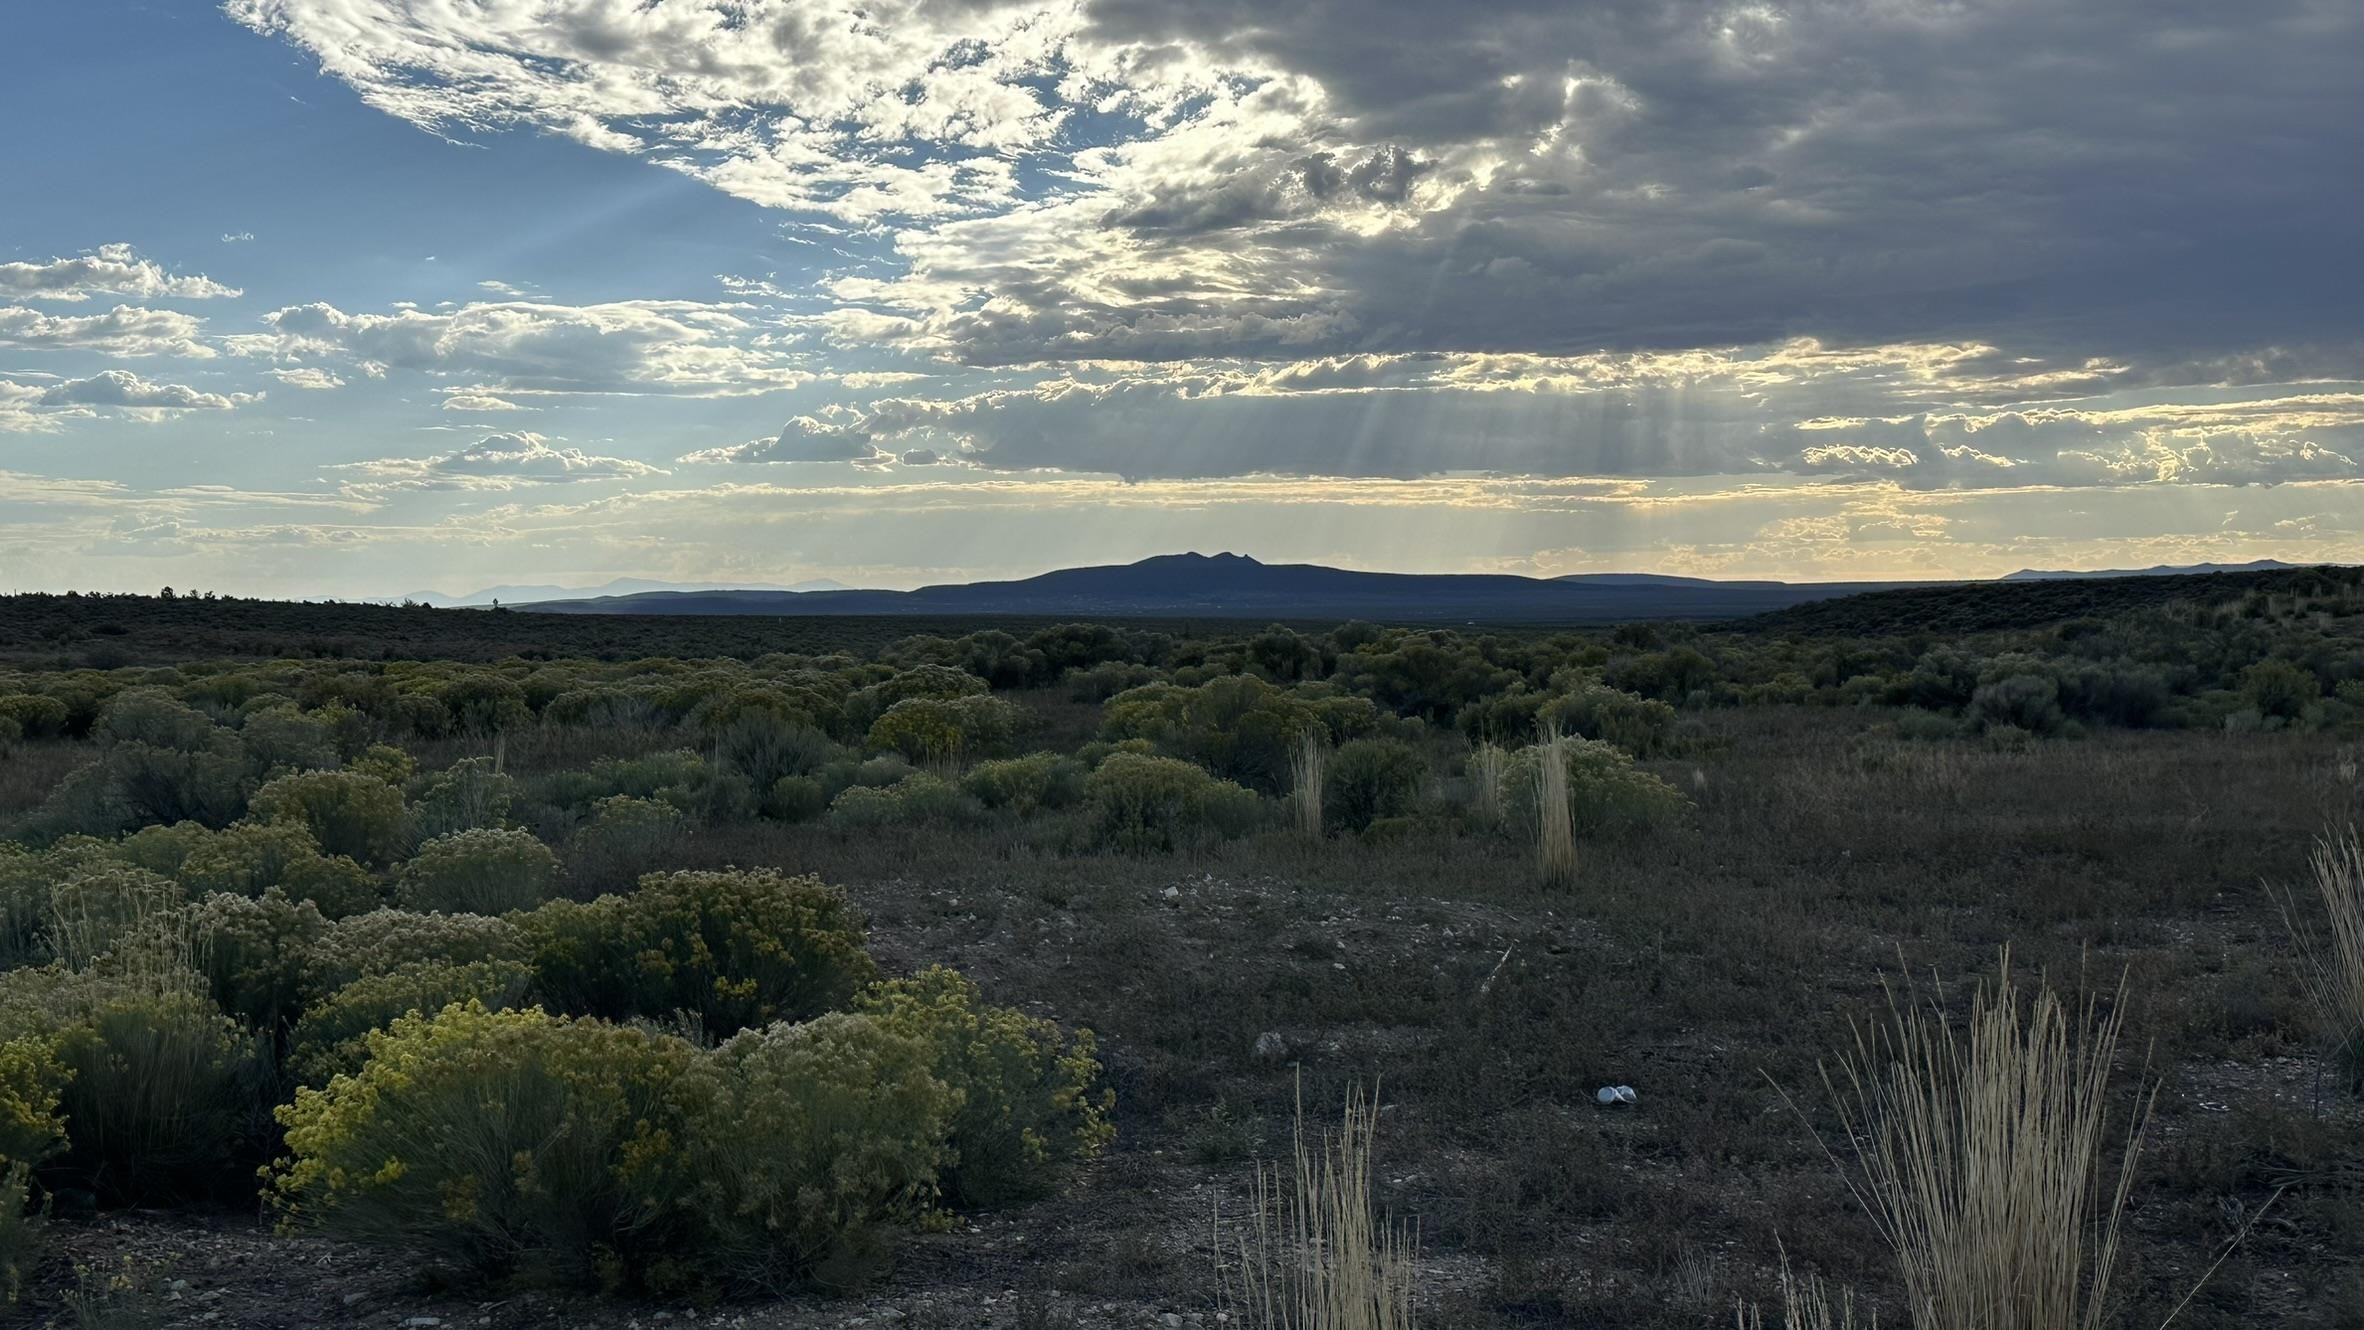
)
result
[(1224, 558)]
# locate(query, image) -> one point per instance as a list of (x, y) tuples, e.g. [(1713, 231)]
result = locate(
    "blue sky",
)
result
[(359, 297)]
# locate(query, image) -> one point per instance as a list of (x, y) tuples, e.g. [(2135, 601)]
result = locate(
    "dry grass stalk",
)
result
[(1980, 1157), (1488, 767), (1555, 820), (1806, 1304), (1308, 768), (1316, 1256), (2334, 969)]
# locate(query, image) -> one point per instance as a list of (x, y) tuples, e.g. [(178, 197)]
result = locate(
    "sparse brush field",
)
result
[(781, 966)]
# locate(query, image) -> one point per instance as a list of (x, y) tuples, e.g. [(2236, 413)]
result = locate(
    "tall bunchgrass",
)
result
[(2333, 967), (1308, 770), (1555, 817), (1316, 1255), (1981, 1156), (1489, 764)]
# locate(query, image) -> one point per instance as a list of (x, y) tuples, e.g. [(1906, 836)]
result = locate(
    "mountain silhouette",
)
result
[(1236, 586)]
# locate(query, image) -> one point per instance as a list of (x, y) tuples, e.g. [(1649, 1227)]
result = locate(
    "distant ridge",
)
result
[(1236, 586), (2036, 602), (622, 586), (2156, 570)]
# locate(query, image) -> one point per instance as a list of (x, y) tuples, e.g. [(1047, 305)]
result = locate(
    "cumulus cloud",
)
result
[(508, 348), (837, 434), (495, 462), (116, 270), (117, 388), (307, 377), (126, 330)]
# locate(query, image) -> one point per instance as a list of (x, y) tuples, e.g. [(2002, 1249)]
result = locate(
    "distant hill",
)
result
[(622, 586), (2156, 570), (1236, 586), (1979, 607)]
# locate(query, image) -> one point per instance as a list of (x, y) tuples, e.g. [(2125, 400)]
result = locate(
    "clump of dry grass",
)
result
[(1806, 1304), (1308, 768), (1979, 1157), (2334, 968), (1316, 1256), (1555, 820), (1489, 765)]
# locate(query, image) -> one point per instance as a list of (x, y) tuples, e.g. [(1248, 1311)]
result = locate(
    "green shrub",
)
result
[(883, 770), (642, 777), (2279, 688), (796, 799), (163, 849), (919, 799), (1025, 1093), (479, 872), (768, 746), (36, 716), (31, 1080), (386, 763), (2028, 702), (625, 838), (155, 718), (250, 858), (282, 739), (930, 729), (469, 795), (505, 1144), (256, 953), (161, 1085), (727, 949), (933, 682), (1607, 794), (24, 906), (30, 1132), (1237, 726), (1143, 804), (1368, 779), (348, 813), (332, 1039), (386, 940), (1027, 785), (821, 1136), (138, 784), (482, 703)]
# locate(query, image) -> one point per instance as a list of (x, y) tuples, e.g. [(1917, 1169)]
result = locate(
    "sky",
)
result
[(365, 297)]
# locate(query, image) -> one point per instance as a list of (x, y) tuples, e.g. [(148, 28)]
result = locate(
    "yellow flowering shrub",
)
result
[(1027, 1103)]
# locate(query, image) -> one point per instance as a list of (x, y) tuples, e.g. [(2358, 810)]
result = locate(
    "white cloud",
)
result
[(510, 348), (308, 377), (117, 388), (108, 270), (495, 462), (476, 399), (126, 330)]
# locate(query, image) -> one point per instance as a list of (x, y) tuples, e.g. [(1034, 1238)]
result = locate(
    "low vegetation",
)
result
[(776, 949)]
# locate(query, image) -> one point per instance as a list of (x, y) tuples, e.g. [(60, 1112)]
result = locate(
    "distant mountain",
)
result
[(2156, 570), (1235, 586), (622, 586)]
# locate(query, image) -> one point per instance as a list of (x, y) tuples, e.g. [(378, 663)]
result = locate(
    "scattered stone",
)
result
[(1270, 1047)]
